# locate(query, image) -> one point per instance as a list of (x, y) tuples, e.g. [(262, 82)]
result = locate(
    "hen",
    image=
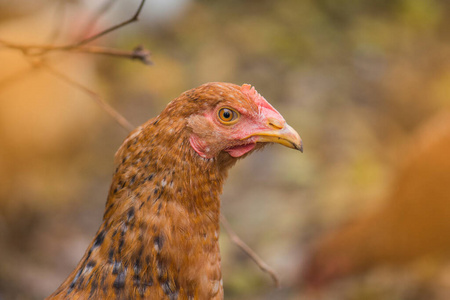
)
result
[(414, 223), (160, 230)]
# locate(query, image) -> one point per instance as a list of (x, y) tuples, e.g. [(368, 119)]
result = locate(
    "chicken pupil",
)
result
[(226, 114)]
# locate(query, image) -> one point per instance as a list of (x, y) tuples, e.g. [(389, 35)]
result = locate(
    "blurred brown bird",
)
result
[(160, 230), (414, 222)]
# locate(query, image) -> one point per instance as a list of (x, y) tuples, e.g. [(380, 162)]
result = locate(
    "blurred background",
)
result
[(363, 214)]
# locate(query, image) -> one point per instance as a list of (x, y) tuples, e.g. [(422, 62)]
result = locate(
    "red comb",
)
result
[(250, 92), (259, 100)]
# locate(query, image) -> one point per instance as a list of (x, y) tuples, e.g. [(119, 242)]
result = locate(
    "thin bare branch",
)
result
[(261, 264), (36, 50), (108, 30), (103, 104), (23, 48), (138, 53)]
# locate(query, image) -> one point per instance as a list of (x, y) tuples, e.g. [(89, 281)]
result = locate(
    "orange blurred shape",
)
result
[(415, 221), (41, 116)]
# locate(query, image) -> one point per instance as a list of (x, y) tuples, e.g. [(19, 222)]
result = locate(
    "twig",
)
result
[(261, 264), (36, 50), (107, 30), (138, 53), (104, 105)]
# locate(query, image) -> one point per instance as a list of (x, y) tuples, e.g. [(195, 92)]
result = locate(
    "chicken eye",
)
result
[(228, 116)]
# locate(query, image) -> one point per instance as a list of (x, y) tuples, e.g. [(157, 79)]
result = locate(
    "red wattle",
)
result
[(238, 151)]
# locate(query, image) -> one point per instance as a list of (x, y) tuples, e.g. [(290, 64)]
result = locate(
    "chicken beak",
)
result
[(285, 136)]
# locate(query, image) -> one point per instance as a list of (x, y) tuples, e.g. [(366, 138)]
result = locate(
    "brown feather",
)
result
[(160, 230)]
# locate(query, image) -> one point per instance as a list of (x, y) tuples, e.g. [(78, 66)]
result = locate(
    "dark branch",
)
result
[(103, 104), (138, 53), (261, 264), (108, 30), (37, 50)]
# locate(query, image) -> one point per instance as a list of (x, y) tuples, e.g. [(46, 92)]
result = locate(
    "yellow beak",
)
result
[(285, 136)]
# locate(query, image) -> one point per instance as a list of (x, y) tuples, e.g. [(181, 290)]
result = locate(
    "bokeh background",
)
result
[(359, 80)]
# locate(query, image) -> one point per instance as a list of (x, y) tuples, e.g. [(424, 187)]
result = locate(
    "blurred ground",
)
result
[(354, 78)]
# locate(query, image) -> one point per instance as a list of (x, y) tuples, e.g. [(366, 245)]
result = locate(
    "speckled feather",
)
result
[(160, 230)]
